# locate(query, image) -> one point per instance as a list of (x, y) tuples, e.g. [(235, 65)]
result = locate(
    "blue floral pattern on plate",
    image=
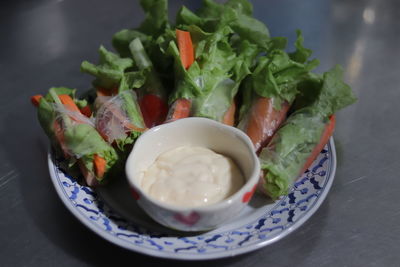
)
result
[(261, 226)]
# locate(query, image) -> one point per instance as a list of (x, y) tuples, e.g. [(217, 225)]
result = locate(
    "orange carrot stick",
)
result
[(264, 120), (186, 50), (328, 131), (69, 103), (99, 166), (229, 117), (180, 109), (36, 100)]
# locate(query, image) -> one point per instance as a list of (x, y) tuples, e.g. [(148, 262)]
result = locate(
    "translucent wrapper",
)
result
[(305, 132), (217, 103), (100, 100), (262, 120), (81, 143), (284, 157), (180, 109), (119, 116), (72, 119)]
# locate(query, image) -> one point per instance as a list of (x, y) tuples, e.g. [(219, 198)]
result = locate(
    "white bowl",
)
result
[(203, 132)]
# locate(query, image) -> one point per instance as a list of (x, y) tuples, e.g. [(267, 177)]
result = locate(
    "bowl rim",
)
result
[(237, 196)]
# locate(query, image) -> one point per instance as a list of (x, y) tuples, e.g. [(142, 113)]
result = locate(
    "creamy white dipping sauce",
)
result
[(190, 176)]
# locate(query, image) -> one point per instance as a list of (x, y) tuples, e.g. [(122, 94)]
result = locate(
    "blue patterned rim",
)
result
[(262, 227)]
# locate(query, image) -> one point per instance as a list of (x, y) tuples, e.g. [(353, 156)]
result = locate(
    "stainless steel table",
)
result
[(42, 44)]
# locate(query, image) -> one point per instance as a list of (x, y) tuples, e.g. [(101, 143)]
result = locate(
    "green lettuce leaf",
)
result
[(301, 54), (252, 29), (132, 109), (242, 6), (215, 103), (278, 76), (154, 25), (155, 35), (236, 14), (212, 81), (83, 141), (133, 79), (134, 115), (60, 91), (156, 17), (46, 115), (247, 95), (110, 69), (153, 83), (334, 95), (123, 38), (187, 17), (247, 53)]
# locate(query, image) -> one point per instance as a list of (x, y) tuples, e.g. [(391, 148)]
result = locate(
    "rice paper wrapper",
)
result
[(119, 118), (284, 157)]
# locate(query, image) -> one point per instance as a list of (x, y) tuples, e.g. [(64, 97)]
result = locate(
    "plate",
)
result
[(112, 213)]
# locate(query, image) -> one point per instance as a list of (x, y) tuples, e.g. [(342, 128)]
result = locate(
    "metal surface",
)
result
[(42, 45)]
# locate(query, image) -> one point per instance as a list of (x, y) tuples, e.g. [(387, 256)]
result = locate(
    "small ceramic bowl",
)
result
[(207, 133)]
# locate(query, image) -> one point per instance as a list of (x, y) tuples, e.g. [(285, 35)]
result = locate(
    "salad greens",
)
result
[(217, 62), (112, 72), (110, 69), (237, 14), (278, 74)]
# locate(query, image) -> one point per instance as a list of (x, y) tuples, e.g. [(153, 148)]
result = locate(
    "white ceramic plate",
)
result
[(111, 212)]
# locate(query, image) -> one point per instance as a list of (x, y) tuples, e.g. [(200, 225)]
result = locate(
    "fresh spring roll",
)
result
[(75, 135), (147, 44), (119, 120), (115, 75), (152, 95), (207, 84), (283, 160), (270, 90)]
